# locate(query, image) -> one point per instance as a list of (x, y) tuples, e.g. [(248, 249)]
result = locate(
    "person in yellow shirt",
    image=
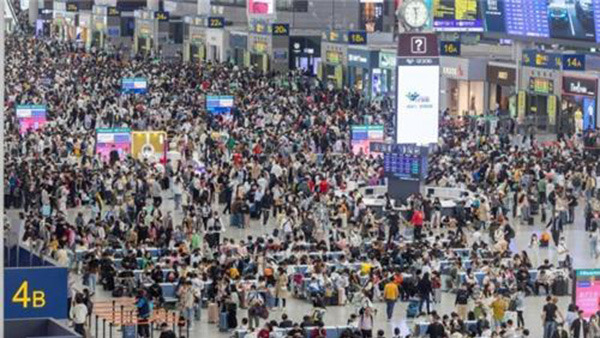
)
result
[(390, 295), (499, 307)]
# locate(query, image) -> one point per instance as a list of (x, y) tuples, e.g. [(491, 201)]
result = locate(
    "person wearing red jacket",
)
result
[(417, 222)]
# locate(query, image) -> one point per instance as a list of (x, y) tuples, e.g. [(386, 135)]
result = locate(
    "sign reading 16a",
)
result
[(21, 296)]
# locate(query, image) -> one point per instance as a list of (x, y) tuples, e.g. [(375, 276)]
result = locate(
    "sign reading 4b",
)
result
[(37, 299), (35, 292)]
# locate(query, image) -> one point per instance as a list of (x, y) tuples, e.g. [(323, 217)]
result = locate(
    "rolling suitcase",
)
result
[(223, 322), (213, 313), (412, 310)]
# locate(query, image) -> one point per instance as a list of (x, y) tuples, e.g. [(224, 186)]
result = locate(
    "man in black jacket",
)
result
[(578, 327)]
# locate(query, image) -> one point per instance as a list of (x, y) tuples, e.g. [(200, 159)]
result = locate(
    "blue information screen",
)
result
[(134, 85), (219, 104), (35, 293)]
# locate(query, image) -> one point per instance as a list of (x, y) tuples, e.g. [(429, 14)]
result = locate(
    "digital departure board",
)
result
[(457, 15), (405, 161), (559, 19)]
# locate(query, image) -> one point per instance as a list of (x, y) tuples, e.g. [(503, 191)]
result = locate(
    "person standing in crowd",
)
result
[(462, 301), (366, 322), (550, 314), (144, 312), (425, 291), (281, 289), (579, 327), (79, 314), (417, 221), (390, 295)]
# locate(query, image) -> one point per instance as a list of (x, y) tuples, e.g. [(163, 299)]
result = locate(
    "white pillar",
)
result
[(33, 11)]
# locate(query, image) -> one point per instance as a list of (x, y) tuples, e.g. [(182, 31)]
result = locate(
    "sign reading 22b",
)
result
[(35, 292)]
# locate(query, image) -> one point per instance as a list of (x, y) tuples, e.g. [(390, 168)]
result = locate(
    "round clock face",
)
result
[(416, 14)]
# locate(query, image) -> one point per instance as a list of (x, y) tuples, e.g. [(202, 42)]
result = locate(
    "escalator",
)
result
[(12, 13)]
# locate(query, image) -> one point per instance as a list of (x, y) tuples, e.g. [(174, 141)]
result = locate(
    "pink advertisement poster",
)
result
[(261, 7), (31, 118), (113, 141), (587, 291)]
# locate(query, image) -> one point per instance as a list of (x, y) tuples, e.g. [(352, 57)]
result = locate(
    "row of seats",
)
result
[(331, 331)]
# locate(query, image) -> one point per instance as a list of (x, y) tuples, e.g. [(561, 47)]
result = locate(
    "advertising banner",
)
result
[(111, 143), (35, 293), (371, 15), (589, 113), (151, 145), (521, 104), (579, 86), (363, 135), (31, 117), (587, 291), (552, 109), (260, 7), (418, 104)]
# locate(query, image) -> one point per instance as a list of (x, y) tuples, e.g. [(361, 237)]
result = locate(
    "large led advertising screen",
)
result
[(31, 117), (418, 104), (587, 291), (371, 15), (363, 135), (457, 15), (113, 141)]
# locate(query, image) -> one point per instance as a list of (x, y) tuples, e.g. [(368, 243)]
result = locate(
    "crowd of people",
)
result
[(281, 162)]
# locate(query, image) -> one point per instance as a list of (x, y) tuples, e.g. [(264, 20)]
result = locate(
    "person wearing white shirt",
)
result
[(79, 314)]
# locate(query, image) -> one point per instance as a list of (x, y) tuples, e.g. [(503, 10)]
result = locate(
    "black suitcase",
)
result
[(560, 287), (530, 221)]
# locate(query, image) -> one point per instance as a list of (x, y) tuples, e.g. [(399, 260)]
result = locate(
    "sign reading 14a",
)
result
[(27, 297)]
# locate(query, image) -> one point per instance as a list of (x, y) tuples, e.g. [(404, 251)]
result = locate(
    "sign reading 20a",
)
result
[(35, 292)]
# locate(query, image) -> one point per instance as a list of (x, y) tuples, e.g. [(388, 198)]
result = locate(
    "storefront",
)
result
[(194, 43), (305, 53), (462, 85), (145, 32), (152, 32), (238, 47), (217, 41), (333, 63), (112, 28), (578, 104), (383, 78), (65, 20), (268, 46), (361, 62), (502, 80), (538, 98), (43, 24)]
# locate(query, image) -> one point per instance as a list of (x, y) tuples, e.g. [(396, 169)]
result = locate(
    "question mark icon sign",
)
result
[(418, 45)]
